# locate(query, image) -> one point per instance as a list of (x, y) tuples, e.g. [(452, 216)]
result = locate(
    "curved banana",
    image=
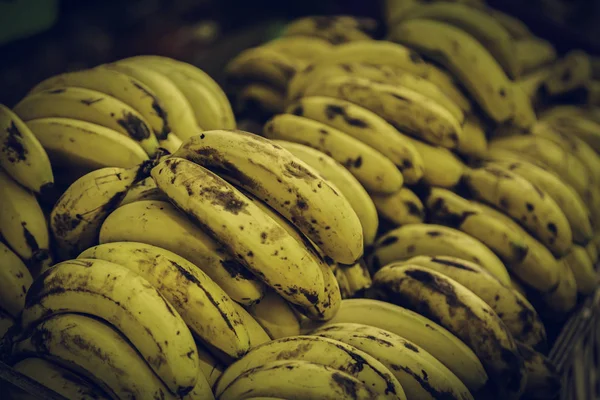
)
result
[(161, 224), (344, 181), (543, 379), (372, 169), (571, 72), (583, 269), (463, 313), (401, 208), (365, 126), (203, 305), (582, 125), (434, 240), (442, 167), (334, 29), (302, 47), (275, 315), (22, 155), (15, 280), (358, 277), (525, 116), (563, 298), (533, 53), (277, 177), (258, 335), (126, 300), (458, 51), (259, 101), (524, 202), (475, 143), (145, 189)]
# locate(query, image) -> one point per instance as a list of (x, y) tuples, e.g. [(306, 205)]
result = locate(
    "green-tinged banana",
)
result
[(401, 208), (365, 126), (592, 251), (257, 334), (59, 379), (463, 313), (71, 143), (475, 143), (206, 309), (96, 351), (563, 298), (178, 111), (479, 24), (287, 184), (524, 202), (126, 300), (358, 277), (571, 72), (524, 117), (6, 322), (275, 315), (90, 106), (533, 53), (302, 47), (448, 208), (161, 224), (436, 340), (211, 367), (543, 379), (458, 51), (563, 195), (78, 215), (319, 350), (329, 28), (22, 155), (372, 169), (421, 375), (22, 222), (288, 379), (405, 109), (583, 269), (521, 319), (243, 229), (442, 167), (514, 26), (259, 100), (15, 280), (145, 189), (434, 240)]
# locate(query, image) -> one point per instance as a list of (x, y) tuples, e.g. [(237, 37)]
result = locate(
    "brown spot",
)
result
[(135, 127), (411, 249), (89, 102), (347, 385), (566, 76), (414, 209), (56, 91), (529, 207), (388, 241), (415, 57), (12, 146), (433, 233), (453, 264), (299, 171), (298, 110), (411, 346), (552, 228), (225, 197)]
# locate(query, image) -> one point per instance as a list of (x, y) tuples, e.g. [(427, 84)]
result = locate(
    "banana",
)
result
[(563, 195), (533, 53), (442, 167), (571, 72), (201, 391), (344, 181), (581, 124), (275, 315), (22, 155), (592, 251), (59, 379), (243, 229), (421, 375), (524, 117), (358, 277), (22, 223), (475, 143), (458, 51), (256, 332), (401, 208), (259, 100), (524, 202), (563, 298), (477, 23), (145, 189), (514, 26), (211, 368), (543, 380), (521, 319), (96, 351), (329, 28), (203, 305), (6, 322), (463, 313), (171, 143), (126, 300), (288, 185), (342, 281), (78, 215), (365, 126), (583, 269), (301, 47), (15, 280), (434, 240), (319, 350), (533, 83), (288, 379), (405, 109), (160, 224)]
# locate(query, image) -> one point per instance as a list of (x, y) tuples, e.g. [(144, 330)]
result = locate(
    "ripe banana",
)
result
[(524, 117), (160, 224), (90, 106), (464, 314), (372, 169), (358, 277), (475, 143), (329, 28), (203, 305), (22, 155), (585, 127), (365, 126), (259, 101), (319, 350), (256, 332), (211, 367), (405, 109), (22, 223), (275, 315), (521, 319), (126, 300), (524, 202), (243, 229), (468, 59), (289, 186), (15, 280), (96, 351), (342, 281), (59, 379), (434, 240), (563, 296), (301, 47), (421, 375), (401, 208), (145, 189), (583, 269), (442, 167), (344, 181), (543, 380), (571, 72), (533, 53), (436, 340), (533, 84), (77, 216)]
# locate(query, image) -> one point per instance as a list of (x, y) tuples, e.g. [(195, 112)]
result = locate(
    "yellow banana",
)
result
[(145, 189), (302, 47), (330, 28), (256, 332), (533, 53), (475, 143), (275, 315), (259, 101), (442, 167), (401, 208), (15, 280), (571, 72), (583, 269), (210, 366), (543, 379), (563, 297), (358, 277)]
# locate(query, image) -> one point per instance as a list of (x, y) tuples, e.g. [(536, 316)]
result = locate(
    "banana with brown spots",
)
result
[(358, 277), (15, 280), (301, 47), (336, 29), (583, 269), (563, 296), (463, 313), (145, 189), (543, 379), (401, 208)]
